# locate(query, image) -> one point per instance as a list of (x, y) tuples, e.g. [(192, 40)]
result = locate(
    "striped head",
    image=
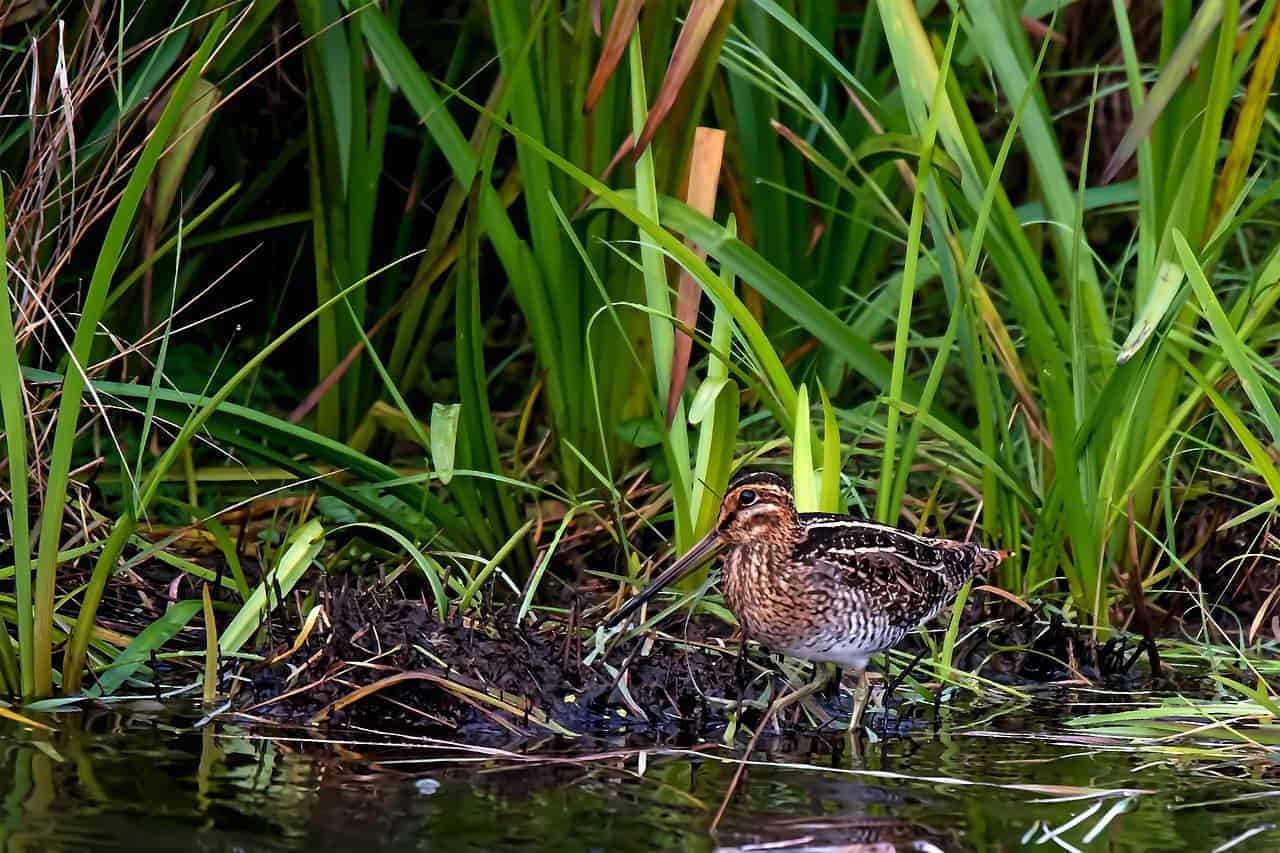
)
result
[(757, 506)]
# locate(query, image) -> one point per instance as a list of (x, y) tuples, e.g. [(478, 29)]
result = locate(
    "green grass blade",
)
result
[(885, 510), (535, 579), (621, 201), (15, 431), (158, 371), (1172, 76), (781, 291), (276, 585), (718, 427), (431, 570), (799, 31), (122, 221), (227, 546), (829, 499), (444, 439), (253, 433), (151, 638), (803, 477), (1001, 40), (210, 691), (73, 665), (658, 297), (487, 570), (1232, 346)]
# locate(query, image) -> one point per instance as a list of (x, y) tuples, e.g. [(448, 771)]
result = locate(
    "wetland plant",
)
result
[(484, 308)]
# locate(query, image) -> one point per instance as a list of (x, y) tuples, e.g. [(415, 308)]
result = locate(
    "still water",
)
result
[(138, 778)]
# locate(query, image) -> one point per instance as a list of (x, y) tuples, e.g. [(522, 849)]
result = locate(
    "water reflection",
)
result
[(129, 778), (839, 815)]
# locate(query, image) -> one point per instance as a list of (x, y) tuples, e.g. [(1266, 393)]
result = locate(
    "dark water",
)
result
[(140, 779)]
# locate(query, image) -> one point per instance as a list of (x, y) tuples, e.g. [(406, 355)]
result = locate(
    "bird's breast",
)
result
[(777, 602), (801, 610)]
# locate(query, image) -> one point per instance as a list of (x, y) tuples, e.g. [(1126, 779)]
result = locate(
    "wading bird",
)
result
[(823, 587)]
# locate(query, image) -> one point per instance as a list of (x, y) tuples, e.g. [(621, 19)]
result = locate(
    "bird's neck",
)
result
[(764, 558)]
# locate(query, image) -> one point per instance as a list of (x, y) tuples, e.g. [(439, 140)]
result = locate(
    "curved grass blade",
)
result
[(77, 647), (1234, 348), (782, 16), (249, 430), (531, 589), (468, 594), (620, 201), (781, 291), (431, 570), (1257, 453), (1174, 72), (717, 423), (297, 557)]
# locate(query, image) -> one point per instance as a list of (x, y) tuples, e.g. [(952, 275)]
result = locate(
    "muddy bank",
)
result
[(378, 655), (485, 674), (378, 662)]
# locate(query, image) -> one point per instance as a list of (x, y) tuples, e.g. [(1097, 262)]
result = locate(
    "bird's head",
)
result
[(757, 507)]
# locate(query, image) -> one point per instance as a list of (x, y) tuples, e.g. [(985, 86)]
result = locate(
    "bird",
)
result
[(828, 588)]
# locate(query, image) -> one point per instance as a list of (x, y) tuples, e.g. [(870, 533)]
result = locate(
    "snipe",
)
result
[(826, 588)]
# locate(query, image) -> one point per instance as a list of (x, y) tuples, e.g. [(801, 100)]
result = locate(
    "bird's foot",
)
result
[(816, 712), (889, 726)]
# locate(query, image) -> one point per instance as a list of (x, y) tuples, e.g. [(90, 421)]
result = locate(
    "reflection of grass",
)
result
[(1023, 792), (1215, 708), (1176, 719)]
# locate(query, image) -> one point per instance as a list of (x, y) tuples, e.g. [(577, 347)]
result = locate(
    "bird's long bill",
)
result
[(691, 559)]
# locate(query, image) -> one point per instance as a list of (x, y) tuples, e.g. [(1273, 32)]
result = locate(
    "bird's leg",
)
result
[(897, 680), (861, 695), (822, 673), (907, 670), (833, 686), (740, 670)]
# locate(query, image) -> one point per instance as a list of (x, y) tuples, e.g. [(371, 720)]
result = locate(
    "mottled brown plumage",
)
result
[(823, 587)]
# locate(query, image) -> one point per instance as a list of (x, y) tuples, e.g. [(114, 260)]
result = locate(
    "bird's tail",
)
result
[(974, 561), (988, 558)]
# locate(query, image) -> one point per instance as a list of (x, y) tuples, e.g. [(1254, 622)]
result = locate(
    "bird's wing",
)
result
[(912, 576), (845, 538), (908, 594)]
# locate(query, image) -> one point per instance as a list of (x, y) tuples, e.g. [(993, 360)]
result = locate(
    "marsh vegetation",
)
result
[(356, 360)]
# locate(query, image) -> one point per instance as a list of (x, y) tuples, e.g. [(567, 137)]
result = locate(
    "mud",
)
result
[(540, 669), (681, 683), (487, 677)]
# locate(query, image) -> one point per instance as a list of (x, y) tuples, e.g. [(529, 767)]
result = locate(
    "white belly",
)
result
[(847, 655)]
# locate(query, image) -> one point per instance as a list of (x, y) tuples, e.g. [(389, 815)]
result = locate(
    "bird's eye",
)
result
[(747, 497)]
